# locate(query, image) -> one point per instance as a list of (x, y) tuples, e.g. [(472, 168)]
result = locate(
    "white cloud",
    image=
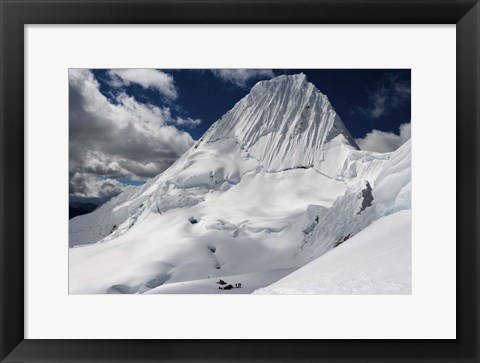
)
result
[(147, 78), (122, 139), (391, 94), (381, 141), (87, 185), (187, 122), (242, 77)]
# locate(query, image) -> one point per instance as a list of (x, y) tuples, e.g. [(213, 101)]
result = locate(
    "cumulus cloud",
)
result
[(147, 78), (391, 94), (110, 140), (381, 141), (187, 122), (87, 185), (242, 77)]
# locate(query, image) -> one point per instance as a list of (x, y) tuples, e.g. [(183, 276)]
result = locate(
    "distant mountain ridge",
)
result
[(78, 209)]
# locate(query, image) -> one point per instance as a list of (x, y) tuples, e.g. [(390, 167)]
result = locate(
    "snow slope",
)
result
[(250, 282), (360, 205), (375, 261), (276, 182)]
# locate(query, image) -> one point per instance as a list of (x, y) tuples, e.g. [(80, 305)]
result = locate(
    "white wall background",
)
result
[(428, 313)]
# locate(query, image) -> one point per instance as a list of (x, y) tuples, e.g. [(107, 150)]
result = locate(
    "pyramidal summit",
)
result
[(275, 198)]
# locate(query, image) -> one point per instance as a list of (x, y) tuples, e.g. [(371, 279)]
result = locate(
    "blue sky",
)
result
[(356, 95), (128, 125)]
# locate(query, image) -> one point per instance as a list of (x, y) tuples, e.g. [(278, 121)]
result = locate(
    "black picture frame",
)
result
[(17, 13)]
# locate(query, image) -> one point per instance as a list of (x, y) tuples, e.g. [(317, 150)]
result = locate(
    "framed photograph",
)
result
[(260, 181)]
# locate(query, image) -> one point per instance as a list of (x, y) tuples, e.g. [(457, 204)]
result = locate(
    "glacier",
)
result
[(274, 184), (375, 261)]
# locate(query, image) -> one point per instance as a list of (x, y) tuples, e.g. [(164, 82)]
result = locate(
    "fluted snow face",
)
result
[(283, 123)]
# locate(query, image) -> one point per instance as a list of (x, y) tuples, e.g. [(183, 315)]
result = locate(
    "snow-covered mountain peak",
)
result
[(284, 123), (299, 78), (273, 184)]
